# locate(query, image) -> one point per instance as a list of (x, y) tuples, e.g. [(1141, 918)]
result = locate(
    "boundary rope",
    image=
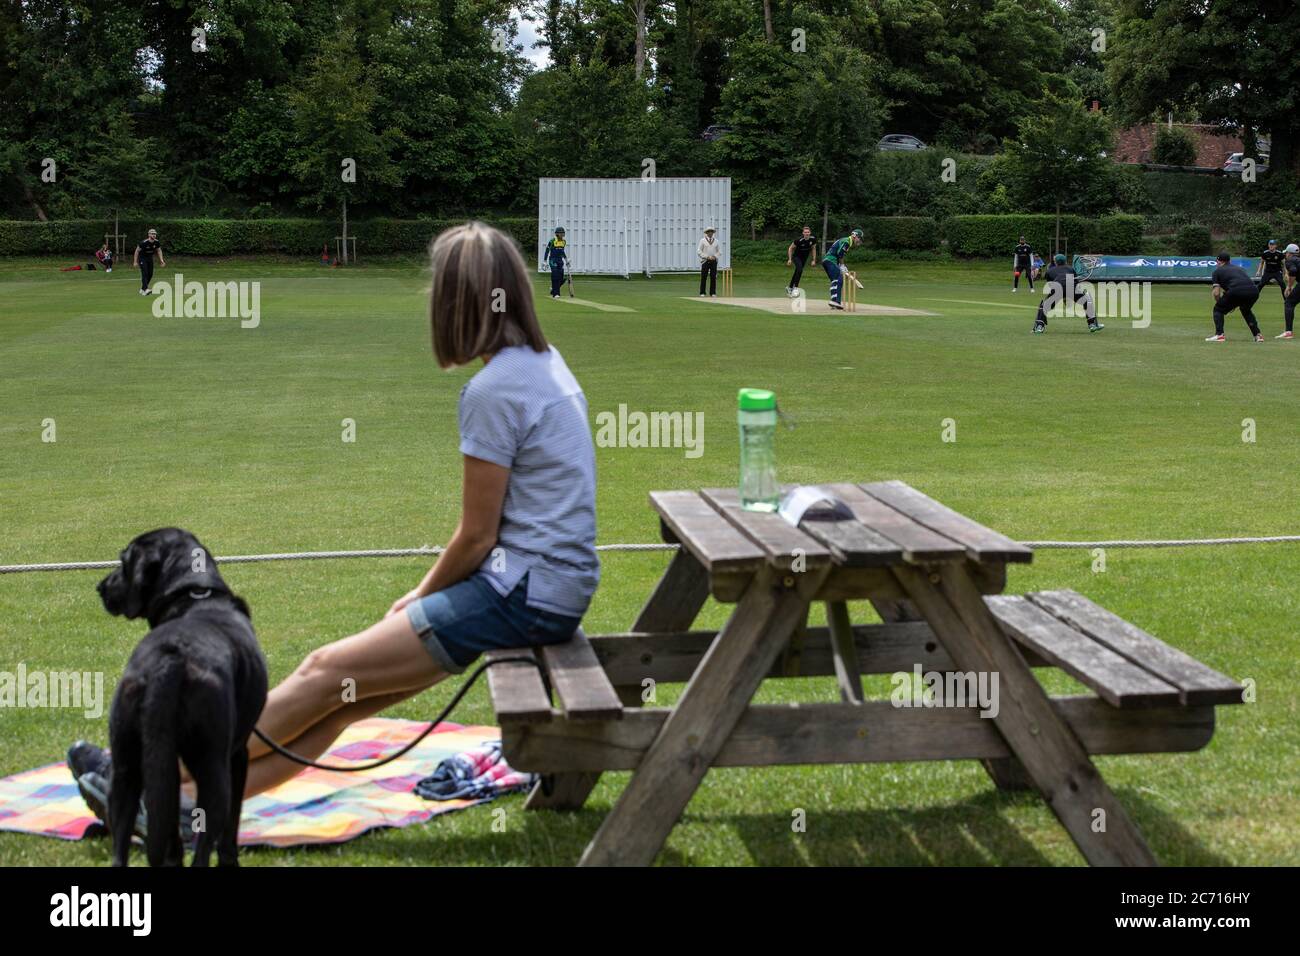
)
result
[(426, 550)]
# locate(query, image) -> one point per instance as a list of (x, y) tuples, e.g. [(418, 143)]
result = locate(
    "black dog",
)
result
[(193, 689)]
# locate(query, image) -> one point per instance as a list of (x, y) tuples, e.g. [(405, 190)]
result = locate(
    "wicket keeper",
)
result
[(1233, 289), (1063, 286), (833, 263)]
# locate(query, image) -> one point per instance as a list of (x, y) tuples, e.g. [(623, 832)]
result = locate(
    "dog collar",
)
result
[(163, 604)]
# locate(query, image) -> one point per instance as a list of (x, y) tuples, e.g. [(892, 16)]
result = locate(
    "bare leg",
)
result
[(386, 660), (271, 769)]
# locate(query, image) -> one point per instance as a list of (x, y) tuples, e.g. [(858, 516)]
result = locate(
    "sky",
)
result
[(527, 37)]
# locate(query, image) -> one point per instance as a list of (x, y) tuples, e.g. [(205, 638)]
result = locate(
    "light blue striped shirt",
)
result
[(525, 411)]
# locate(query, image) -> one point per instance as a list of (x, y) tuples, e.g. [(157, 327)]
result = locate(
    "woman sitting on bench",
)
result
[(520, 568)]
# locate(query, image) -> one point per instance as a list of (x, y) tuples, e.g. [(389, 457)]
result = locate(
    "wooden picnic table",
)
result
[(934, 577)]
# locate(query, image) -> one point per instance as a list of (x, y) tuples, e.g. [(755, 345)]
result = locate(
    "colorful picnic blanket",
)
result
[(317, 806)]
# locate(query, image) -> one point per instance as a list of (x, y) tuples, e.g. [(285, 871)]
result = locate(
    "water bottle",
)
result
[(757, 418)]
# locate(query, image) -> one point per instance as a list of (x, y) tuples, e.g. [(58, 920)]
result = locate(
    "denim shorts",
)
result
[(459, 623)]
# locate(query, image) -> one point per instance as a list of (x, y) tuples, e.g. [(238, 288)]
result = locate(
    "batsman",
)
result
[(558, 259), (836, 271)]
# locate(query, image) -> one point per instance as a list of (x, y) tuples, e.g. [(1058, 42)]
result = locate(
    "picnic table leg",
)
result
[(673, 606), (791, 657), (1050, 753), (847, 670), (1007, 773), (719, 692), (677, 598)]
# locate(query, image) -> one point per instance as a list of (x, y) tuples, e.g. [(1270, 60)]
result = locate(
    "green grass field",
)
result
[(236, 435)]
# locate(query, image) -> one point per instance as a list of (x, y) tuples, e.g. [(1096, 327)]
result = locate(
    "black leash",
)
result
[(446, 711)]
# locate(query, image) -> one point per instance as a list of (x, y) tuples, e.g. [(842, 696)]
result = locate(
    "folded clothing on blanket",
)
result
[(478, 774)]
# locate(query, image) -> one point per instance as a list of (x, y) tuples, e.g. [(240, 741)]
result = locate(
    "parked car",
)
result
[(902, 141), (714, 132), (1234, 164)]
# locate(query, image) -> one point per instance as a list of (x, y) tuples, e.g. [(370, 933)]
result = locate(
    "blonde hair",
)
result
[(482, 298)]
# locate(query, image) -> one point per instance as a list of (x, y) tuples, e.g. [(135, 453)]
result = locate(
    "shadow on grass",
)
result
[(972, 832)]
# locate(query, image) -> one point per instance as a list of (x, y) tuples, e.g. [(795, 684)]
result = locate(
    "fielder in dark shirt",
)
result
[(1233, 289), (797, 256), (1233, 279), (1270, 268), (1292, 268), (1022, 261), (1063, 285), (144, 253)]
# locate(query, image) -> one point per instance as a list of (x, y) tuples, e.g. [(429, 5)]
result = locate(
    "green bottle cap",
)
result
[(756, 400)]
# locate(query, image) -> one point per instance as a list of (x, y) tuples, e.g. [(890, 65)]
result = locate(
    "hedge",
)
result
[(225, 237), (1181, 199), (772, 252), (966, 235), (1119, 234), (901, 232)]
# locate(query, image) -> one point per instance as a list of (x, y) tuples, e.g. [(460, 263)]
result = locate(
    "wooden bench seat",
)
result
[(1196, 683), (520, 696), (1116, 680), (517, 692), (580, 682), (1125, 665)]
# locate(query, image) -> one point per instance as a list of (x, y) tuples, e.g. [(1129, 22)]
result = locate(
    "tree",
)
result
[(120, 172), (1174, 147), (605, 128), (693, 60), (804, 127), (198, 81), (338, 154), (442, 76), (69, 74), (1236, 62), (1060, 158), (963, 71), (1087, 29), (639, 10)]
